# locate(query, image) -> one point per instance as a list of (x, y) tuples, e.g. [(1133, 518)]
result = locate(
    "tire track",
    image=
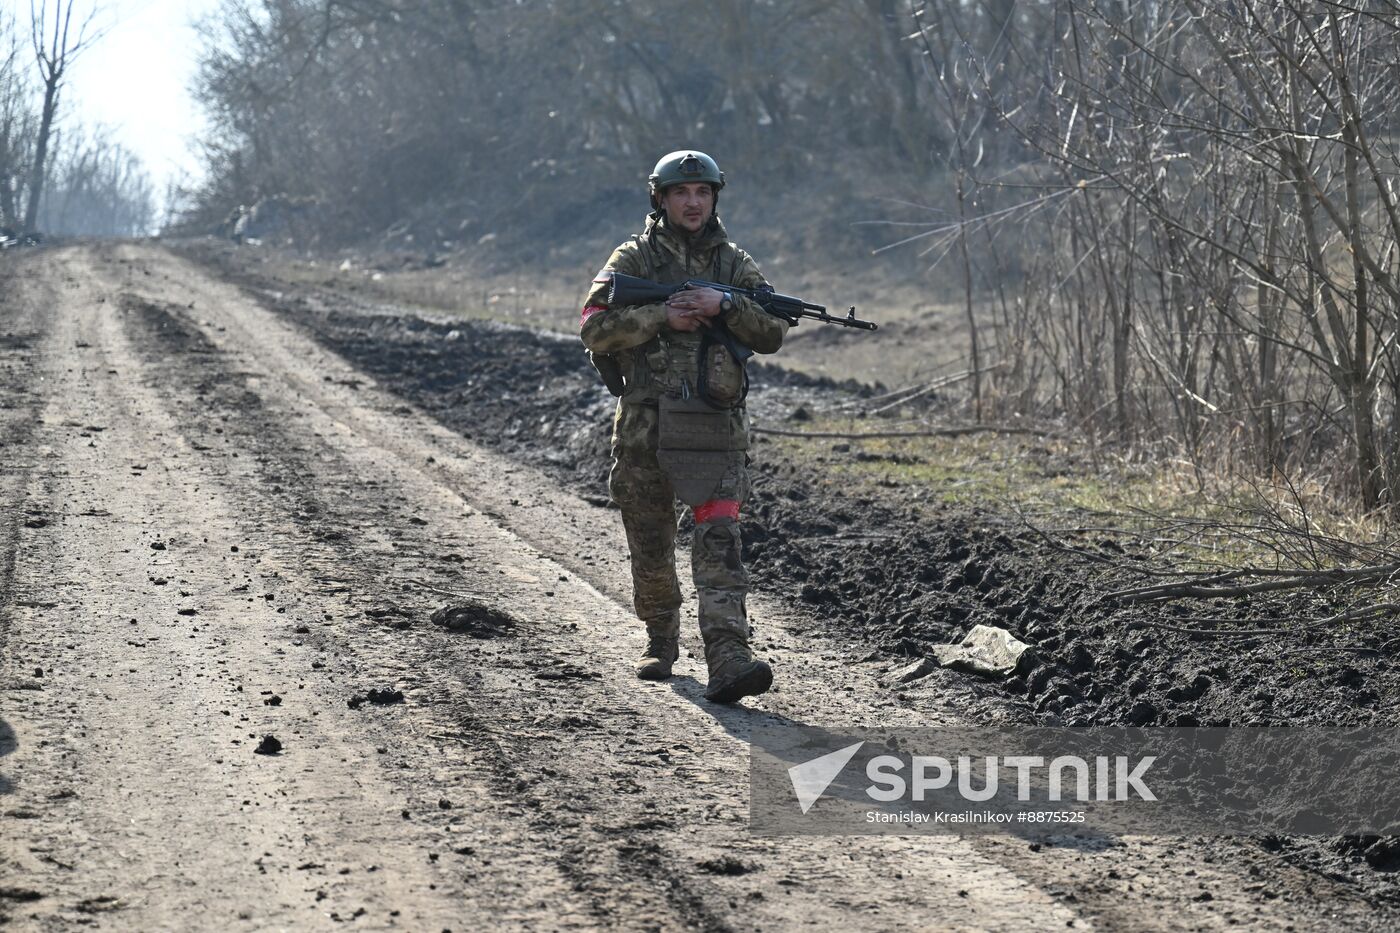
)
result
[(325, 511), (175, 641), (22, 332)]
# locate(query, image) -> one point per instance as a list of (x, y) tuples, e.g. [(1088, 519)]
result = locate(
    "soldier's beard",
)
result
[(682, 225)]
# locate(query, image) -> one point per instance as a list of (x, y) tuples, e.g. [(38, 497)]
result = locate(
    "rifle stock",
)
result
[(627, 290)]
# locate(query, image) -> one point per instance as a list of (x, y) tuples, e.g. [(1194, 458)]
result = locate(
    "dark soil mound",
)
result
[(474, 618), (377, 696)]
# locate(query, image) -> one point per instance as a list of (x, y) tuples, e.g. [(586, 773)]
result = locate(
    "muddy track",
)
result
[(327, 512), (246, 536)]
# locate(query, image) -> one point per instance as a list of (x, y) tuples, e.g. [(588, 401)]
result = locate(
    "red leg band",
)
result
[(717, 508)]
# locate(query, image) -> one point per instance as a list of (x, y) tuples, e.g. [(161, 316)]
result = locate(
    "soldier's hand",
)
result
[(678, 319), (701, 302)]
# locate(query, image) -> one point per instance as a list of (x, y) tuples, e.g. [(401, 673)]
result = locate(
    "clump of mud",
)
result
[(475, 618), (727, 865), (376, 696)]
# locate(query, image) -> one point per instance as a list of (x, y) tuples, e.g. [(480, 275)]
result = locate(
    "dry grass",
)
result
[(1202, 519)]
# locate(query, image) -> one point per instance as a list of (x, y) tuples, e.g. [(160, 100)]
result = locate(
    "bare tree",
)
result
[(56, 44), (1211, 257), (16, 121)]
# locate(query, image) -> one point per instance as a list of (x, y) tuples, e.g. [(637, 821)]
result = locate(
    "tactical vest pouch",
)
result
[(723, 378), (695, 446), (606, 365)]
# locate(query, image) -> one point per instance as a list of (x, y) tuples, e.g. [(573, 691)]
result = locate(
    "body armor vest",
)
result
[(670, 363)]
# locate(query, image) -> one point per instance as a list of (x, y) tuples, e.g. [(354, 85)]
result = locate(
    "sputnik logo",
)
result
[(811, 778)]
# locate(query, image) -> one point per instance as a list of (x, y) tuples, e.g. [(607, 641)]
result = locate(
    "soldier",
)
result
[(681, 429)]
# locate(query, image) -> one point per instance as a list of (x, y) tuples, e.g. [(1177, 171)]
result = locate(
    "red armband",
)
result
[(588, 312)]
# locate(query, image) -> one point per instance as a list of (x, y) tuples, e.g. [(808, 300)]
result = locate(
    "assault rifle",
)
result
[(625, 290), (630, 290)]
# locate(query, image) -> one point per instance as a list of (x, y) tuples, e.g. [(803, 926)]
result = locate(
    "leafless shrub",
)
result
[(476, 115), (1217, 219), (96, 187)]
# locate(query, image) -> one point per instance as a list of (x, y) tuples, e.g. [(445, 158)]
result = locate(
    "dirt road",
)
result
[(215, 531)]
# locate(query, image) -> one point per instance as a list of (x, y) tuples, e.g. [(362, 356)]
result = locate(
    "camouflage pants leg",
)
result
[(644, 495), (720, 578)]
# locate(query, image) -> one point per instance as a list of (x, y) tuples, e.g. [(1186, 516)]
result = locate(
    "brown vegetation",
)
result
[(1168, 225)]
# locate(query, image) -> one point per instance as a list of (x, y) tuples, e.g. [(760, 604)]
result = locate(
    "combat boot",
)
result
[(734, 671), (663, 648)]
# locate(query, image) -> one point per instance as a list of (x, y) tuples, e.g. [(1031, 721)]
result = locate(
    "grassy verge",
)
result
[(1168, 506)]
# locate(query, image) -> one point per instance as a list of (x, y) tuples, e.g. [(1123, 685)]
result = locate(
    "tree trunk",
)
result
[(41, 154), (967, 294), (1360, 397)]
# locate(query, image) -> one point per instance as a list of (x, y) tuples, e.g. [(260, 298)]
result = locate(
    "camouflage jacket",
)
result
[(654, 358)]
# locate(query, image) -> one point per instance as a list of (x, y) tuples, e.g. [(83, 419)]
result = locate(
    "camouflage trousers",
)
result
[(647, 500)]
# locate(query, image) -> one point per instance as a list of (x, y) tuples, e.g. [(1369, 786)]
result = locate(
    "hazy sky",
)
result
[(136, 79)]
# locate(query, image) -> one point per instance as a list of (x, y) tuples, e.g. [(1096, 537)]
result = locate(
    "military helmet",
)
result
[(681, 166)]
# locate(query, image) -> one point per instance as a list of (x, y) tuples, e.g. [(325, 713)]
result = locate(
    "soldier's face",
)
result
[(689, 205)]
